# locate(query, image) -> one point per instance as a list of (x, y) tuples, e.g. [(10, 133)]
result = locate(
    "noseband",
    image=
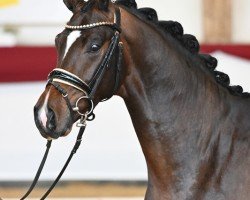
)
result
[(60, 76)]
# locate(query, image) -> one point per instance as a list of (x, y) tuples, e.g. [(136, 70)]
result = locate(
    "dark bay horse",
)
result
[(193, 127)]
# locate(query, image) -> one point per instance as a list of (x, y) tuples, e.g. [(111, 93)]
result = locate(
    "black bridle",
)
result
[(60, 76)]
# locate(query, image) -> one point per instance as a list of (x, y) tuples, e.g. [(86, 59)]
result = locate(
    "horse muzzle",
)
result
[(51, 123)]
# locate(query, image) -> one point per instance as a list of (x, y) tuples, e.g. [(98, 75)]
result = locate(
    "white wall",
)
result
[(241, 20), (188, 13), (110, 149), (35, 11), (54, 13)]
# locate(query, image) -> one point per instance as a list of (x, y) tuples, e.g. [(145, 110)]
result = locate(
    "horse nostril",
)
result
[(51, 122)]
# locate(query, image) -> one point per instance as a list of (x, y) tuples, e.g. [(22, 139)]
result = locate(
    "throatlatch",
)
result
[(61, 76)]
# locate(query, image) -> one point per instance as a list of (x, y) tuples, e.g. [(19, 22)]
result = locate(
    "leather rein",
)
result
[(60, 76)]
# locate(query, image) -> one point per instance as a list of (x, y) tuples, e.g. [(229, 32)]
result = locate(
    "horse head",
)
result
[(87, 71), (188, 118)]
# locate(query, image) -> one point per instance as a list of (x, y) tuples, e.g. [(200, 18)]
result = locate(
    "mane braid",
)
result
[(189, 42), (149, 13), (174, 28)]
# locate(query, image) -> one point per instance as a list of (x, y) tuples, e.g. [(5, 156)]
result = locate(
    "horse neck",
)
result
[(162, 82), (176, 107)]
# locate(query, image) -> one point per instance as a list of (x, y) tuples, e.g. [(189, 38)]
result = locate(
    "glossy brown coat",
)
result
[(194, 134)]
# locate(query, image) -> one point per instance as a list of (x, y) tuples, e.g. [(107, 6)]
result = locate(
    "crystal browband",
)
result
[(89, 25), (93, 25)]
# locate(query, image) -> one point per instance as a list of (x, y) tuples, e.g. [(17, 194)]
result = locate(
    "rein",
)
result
[(60, 76)]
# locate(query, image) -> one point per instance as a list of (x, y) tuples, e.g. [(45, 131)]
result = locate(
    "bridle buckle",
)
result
[(82, 121)]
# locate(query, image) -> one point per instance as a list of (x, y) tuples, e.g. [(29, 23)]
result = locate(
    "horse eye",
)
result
[(95, 47)]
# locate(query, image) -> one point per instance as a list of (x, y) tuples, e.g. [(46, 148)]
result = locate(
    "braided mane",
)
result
[(189, 42)]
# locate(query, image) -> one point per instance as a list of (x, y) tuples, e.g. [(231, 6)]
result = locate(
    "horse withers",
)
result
[(193, 127)]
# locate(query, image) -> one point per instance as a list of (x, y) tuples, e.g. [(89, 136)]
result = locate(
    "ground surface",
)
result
[(82, 191), (138, 198)]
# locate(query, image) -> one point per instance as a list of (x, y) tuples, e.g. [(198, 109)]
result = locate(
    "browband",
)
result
[(114, 25)]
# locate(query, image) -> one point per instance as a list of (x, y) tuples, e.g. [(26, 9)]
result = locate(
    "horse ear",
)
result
[(103, 4), (72, 5)]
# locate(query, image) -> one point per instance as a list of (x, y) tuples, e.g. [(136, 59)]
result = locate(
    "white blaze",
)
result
[(71, 39), (43, 110)]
